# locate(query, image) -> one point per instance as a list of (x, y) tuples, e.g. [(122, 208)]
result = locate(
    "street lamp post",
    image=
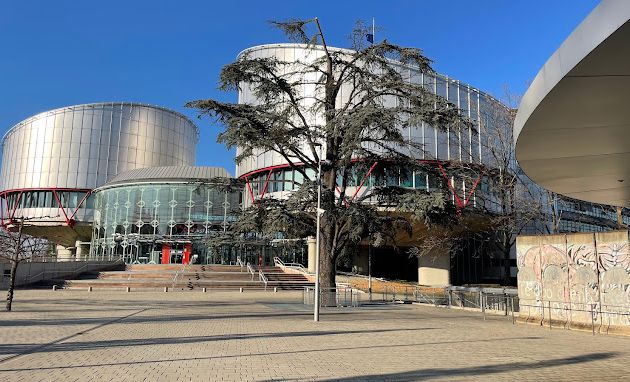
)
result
[(370, 269), (319, 205)]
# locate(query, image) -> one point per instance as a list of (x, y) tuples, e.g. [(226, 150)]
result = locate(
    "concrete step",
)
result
[(179, 267), (158, 283), (171, 275), (189, 277)]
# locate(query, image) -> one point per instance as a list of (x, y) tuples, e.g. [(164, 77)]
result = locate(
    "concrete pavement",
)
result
[(228, 336)]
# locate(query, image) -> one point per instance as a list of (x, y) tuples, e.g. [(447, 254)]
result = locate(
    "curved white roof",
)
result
[(169, 173), (573, 125)]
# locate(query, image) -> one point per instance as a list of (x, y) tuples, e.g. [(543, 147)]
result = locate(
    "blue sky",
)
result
[(59, 53)]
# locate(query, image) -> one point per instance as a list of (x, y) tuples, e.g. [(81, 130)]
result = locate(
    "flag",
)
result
[(370, 37)]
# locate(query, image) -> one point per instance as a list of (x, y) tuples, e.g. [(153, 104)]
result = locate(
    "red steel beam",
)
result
[(450, 186), (363, 181), (61, 208), (264, 190), (87, 194), (474, 186), (249, 187)]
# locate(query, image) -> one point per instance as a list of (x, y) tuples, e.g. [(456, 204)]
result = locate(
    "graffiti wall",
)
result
[(576, 280)]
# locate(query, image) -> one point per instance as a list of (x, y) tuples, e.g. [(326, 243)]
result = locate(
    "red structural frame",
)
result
[(461, 203), (68, 214)]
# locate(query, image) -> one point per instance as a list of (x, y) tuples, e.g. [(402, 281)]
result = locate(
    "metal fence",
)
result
[(598, 317), (333, 297), (491, 299)]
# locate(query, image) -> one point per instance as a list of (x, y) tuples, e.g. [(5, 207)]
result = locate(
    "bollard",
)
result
[(127, 289), (204, 290), (512, 308), (549, 305), (275, 289), (89, 288), (165, 289), (54, 287), (592, 319), (240, 290)]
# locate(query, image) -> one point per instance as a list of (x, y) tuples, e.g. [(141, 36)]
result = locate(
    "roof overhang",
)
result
[(572, 130)]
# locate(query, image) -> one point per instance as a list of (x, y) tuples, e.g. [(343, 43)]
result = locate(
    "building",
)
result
[(269, 175), (574, 116), (52, 161), (118, 180), (164, 215), (574, 120)]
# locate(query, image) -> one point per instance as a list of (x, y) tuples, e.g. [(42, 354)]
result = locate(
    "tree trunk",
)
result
[(327, 276), (14, 265), (507, 274)]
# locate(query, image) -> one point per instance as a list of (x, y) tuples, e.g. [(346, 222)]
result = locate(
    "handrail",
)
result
[(251, 270), (262, 278), (277, 262), (297, 266), (240, 262), (177, 275)]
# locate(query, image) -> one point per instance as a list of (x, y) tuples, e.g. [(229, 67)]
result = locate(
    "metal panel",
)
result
[(78, 146)]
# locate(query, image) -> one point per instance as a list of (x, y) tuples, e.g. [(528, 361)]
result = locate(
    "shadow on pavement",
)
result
[(292, 352), (476, 371)]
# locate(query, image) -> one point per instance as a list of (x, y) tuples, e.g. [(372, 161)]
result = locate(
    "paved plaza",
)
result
[(264, 336)]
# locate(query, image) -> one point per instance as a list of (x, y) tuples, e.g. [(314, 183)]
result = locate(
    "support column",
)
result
[(166, 253), (434, 269), (64, 254), (82, 250), (311, 254), (187, 253)]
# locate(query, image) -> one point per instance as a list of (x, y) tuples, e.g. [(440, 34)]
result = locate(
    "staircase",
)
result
[(283, 280), (190, 277)]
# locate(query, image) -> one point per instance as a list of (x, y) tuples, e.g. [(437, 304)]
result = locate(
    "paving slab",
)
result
[(266, 336)]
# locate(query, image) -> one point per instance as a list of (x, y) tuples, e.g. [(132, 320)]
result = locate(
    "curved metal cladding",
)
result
[(52, 160), (267, 172)]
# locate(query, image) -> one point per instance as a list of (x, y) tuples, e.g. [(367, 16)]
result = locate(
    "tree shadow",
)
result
[(476, 371), (95, 345), (291, 352)]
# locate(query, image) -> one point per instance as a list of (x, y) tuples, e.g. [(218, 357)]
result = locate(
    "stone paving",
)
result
[(265, 336)]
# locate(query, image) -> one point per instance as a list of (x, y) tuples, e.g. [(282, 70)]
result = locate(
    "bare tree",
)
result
[(16, 247), (507, 202)]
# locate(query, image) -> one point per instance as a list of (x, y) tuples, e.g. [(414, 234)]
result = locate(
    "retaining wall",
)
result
[(33, 272)]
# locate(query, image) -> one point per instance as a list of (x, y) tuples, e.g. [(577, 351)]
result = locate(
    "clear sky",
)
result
[(59, 53)]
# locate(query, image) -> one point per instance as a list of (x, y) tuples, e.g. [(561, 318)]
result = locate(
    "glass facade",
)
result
[(139, 221)]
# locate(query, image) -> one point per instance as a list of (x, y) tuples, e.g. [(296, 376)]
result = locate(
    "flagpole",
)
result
[(373, 35)]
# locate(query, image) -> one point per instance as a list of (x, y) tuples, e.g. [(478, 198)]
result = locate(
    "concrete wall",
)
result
[(566, 277), (32, 272), (434, 269)]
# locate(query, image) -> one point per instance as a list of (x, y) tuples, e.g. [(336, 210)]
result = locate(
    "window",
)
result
[(406, 178)]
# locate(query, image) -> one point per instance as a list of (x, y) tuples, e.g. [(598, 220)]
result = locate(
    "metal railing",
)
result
[(177, 273), (570, 315), (240, 263), (333, 297), (503, 300), (263, 279), (297, 266), (251, 271)]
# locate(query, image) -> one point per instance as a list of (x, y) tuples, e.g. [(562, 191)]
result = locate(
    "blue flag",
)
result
[(370, 37)]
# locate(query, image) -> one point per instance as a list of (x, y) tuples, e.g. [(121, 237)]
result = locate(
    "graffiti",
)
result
[(576, 278)]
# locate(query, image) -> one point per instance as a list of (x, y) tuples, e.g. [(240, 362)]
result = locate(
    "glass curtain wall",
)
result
[(137, 221)]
